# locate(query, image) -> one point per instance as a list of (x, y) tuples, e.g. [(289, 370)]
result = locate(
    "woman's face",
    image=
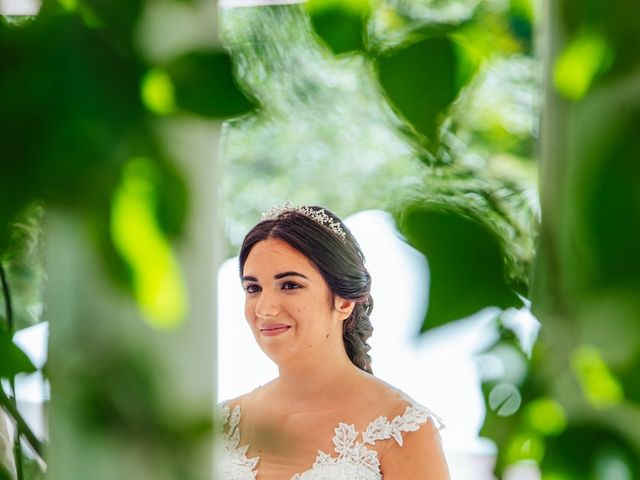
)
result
[(288, 303)]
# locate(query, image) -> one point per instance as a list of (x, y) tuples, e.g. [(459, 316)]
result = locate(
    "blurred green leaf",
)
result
[(546, 416), (157, 92), (172, 202), (22, 262), (157, 281), (599, 386), (590, 451), (420, 81), (607, 202), (616, 23), (521, 20), (12, 360), (578, 64), (86, 111), (465, 262), (117, 18), (526, 446), (341, 24), (204, 84), (609, 322), (4, 473), (630, 377)]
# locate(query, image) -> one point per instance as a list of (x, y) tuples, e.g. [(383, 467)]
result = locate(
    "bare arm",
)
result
[(420, 457)]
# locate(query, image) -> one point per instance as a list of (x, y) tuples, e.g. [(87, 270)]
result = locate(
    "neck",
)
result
[(311, 380)]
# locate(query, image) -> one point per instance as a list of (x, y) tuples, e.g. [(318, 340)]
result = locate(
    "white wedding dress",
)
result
[(353, 457)]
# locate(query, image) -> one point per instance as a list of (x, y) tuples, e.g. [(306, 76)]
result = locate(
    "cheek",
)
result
[(249, 309), (300, 309)]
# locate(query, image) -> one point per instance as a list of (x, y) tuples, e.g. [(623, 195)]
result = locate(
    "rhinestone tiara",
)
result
[(319, 216)]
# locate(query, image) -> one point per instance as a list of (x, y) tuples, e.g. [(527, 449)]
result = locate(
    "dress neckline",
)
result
[(348, 448)]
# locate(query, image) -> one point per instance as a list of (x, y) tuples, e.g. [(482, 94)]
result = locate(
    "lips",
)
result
[(274, 326), (274, 329)]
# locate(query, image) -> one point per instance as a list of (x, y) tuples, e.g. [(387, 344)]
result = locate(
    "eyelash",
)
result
[(288, 285), (292, 285)]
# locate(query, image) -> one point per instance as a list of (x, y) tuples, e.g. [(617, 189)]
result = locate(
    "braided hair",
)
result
[(340, 262)]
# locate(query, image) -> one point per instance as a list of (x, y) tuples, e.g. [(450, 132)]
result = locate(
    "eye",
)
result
[(289, 285), (252, 288)]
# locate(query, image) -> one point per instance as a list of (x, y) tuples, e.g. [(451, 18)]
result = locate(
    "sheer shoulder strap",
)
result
[(414, 416)]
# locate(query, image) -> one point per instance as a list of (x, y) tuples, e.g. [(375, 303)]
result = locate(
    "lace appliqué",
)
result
[(234, 464), (409, 421), (355, 461)]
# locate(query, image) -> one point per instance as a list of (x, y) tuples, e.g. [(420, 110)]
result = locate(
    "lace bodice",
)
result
[(352, 459)]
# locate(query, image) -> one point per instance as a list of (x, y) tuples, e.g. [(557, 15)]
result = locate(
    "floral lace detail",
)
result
[(234, 464), (409, 421), (354, 460)]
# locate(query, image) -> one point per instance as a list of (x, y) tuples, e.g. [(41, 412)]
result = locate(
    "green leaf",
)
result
[(340, 24), (118, 18), (465, 262), (4, 473), (12, 359), (86, 113), (420, 80), (204, 84), (590, 451), (605, 204)]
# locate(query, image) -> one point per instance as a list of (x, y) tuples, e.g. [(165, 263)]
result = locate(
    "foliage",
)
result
[(452, 83), (587, 261), (322, 132), (419, 81), (12, 360), (577, 399), (83, 96)]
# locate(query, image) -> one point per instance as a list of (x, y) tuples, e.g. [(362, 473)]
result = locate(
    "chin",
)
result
[(277, 355)]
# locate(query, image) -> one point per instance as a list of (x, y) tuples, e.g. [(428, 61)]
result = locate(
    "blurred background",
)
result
[(484, 153)]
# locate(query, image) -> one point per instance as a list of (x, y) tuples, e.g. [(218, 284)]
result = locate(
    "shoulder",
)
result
[(391, 400), (225, 407), (251, 403), (419, 456), (416, 448), (397, 409), (247, 398), (233, 402), (400, 417)]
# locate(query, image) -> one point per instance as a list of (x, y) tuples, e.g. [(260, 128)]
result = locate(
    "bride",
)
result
[(325, 417)]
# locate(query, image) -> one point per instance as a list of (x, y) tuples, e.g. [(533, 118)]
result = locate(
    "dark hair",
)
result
[(340, 262)]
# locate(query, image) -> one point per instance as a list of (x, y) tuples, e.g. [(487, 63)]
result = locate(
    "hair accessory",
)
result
[(318, 216)]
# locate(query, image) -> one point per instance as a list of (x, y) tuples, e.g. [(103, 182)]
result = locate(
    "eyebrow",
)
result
[(277, 276)]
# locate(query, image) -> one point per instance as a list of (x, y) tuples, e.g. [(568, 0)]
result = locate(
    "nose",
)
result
[(267, 305)]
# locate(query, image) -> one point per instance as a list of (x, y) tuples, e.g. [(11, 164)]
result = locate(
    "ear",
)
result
[(344, 306)]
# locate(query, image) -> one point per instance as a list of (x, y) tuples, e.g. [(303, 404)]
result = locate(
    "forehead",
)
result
[(273, 256)]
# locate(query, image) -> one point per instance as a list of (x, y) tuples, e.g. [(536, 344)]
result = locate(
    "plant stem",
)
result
[(17, 448), (23, 427), (7, 298)]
